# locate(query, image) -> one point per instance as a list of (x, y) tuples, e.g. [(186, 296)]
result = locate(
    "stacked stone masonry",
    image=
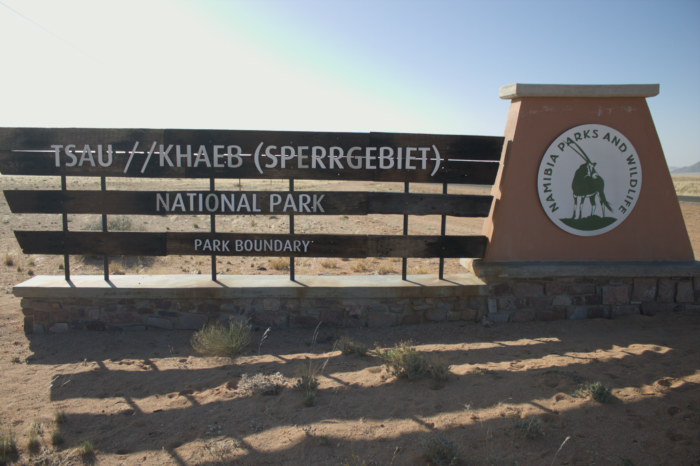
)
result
[(515, 300)]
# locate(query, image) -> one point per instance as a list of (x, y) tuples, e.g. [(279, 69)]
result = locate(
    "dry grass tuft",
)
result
[(404, 360), (8, 444), (439, 368), (529, 427), (59, 416), (115, 268), (217, 340), (328, 263), (86, 448), (279, 263), (349, 346), (385, 269), (420, 270), (9, 260), (439, 450), (597, 391), (263, 384), (308, 383), (361, 265)]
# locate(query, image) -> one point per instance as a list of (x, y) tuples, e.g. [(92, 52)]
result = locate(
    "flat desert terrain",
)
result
[(512, 397)]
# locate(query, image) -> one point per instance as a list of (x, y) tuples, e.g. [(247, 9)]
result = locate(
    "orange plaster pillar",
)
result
[(517, 226)]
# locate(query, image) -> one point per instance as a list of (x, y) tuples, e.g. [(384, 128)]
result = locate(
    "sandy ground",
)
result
[(148, 398)]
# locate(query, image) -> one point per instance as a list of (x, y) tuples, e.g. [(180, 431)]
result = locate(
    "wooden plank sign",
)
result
[(244, 203), (243, 244), (249, 155)]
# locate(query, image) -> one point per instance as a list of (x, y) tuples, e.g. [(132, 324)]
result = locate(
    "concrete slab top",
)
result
[(517, 90), (250, 286), (486, 270)]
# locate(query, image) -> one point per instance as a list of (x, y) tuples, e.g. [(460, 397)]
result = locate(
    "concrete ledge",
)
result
[(515, 91), (489, 270), (250, 286)]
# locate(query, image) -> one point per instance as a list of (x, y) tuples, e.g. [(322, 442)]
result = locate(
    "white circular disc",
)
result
[(589, 180)]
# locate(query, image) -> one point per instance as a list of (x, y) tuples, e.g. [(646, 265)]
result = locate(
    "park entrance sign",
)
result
[(589, 180), (146, 153)]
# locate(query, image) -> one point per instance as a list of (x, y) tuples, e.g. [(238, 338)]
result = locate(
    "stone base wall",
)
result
[(527, 299), (60, 315)]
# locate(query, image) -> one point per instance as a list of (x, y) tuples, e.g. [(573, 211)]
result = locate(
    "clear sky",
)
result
[(399, 66)]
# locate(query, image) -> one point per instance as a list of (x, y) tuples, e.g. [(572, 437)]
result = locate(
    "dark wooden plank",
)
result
[(427, 246), (98, 243), (241, 244), (178, 202), (274, 245), (149, 202), (43, 164), (449, 146), (454, 205)]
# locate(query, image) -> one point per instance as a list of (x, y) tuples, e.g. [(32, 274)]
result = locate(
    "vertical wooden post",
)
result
[(212, 222), (66, 257), (105, 266), (442, 232), (404, 265), (291, 232)]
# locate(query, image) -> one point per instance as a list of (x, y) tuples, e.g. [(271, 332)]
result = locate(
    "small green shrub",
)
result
[(349, 346), (86, 448), (217, 340), (597, 391), (308, 384), (529, 427), (439, 450), (59, 416), (56, 437), (115, 223), (439, 368), (8, 444), (404, 360)]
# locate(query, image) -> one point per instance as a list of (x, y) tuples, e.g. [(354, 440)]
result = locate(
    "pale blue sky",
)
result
[(402, 66)]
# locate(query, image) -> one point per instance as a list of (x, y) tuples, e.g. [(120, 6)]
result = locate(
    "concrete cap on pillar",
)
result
[(516, 91)]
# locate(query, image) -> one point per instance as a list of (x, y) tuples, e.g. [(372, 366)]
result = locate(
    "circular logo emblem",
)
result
[(589, 180)]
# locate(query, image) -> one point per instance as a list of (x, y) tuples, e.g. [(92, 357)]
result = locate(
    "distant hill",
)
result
[(695, 168)]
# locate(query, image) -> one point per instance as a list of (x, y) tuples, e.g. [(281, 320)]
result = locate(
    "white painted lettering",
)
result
[(57, 149), (201, 207), (306, 245), (398, 158), (275, 199), (288, 246), (424, 157), (278, 245), (297, 245), (317, 153), (248, 245), (191, 196), (335, 155), (304, 201), (409, 158), (289, 203), (109, 155), (69, 152), (255, 203), (258, 244), (239, 245), (207, 245), (216, 200), (165, 203), (178, 202), (202, 156), (386, 161), (271, 156), (197, 243), (237, 155), (187, 155), (369, 158), (287, 156), (269, 245), (86, 150), (243, 203), (217, 157), (350, 158), (217, 243), (317, 202), (224, 245), (225, 202), (302, 156), (163, 153)]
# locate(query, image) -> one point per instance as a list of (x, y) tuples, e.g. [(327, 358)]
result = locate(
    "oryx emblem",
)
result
[(587, 183)]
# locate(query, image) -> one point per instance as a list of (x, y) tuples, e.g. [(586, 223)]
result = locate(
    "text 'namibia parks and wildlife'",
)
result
[(250, 154), (595, 163)]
